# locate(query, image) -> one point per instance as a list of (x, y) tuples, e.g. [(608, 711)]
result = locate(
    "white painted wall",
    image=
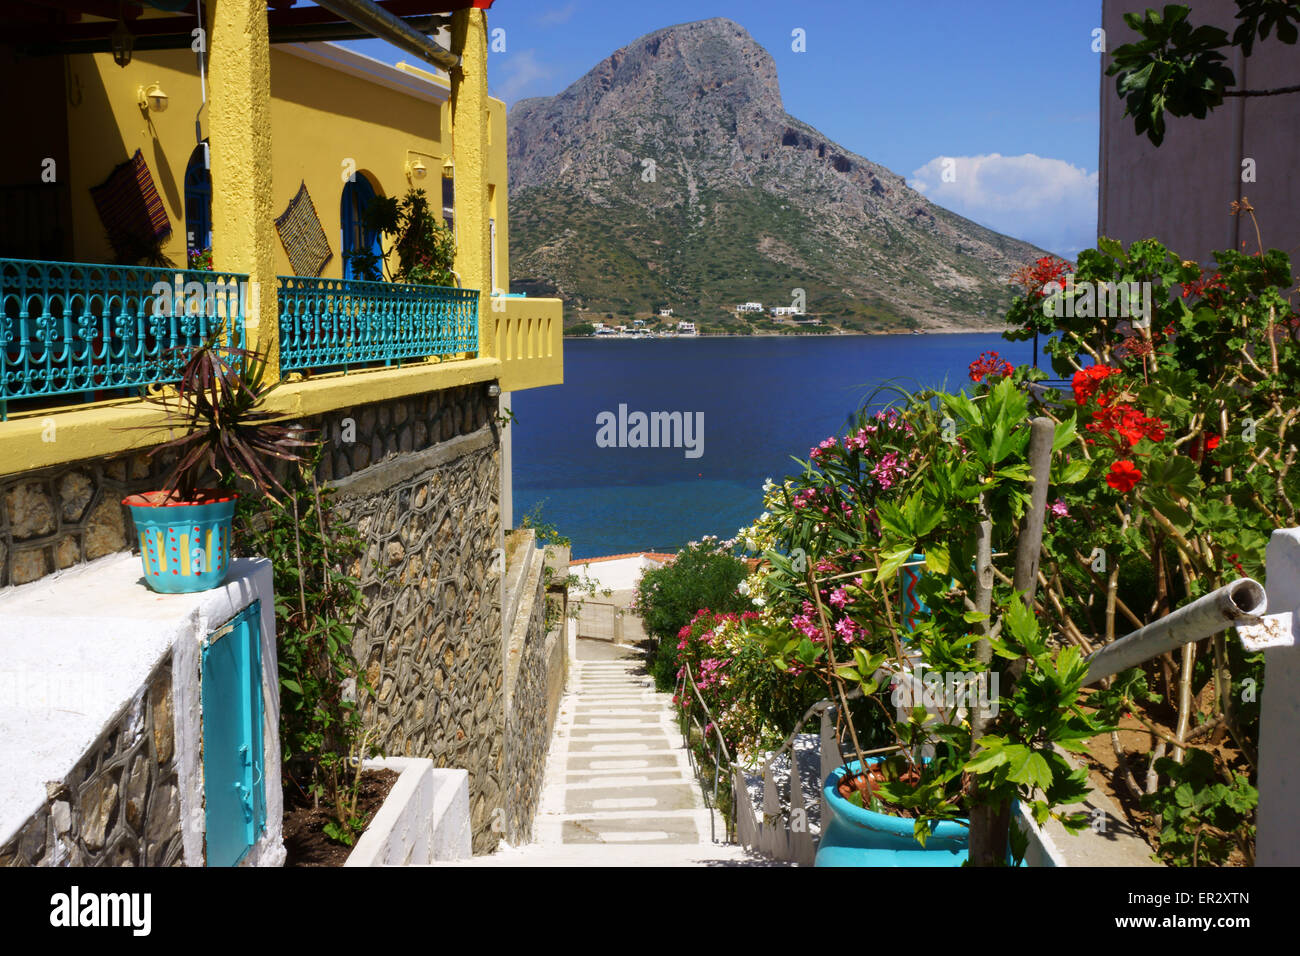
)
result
[(425, 818), (98, 629)]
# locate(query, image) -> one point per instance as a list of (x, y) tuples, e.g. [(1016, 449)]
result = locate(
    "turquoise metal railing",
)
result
[(73, 327), (332, 323)]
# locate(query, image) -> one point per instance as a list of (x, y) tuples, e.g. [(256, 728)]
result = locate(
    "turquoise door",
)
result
[(234, 785)]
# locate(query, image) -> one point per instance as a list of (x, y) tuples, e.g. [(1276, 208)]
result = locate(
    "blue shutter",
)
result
[(234, 779), (357, 195), (198, 202)]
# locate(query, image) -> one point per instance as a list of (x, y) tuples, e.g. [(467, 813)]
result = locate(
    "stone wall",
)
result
[(536, 665), (120, 805), (430, 643), (53, 519)]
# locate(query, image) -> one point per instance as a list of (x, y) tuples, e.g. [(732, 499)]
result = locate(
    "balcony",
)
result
[(72, 329), (81, 344), (527, 337), (333, 324)]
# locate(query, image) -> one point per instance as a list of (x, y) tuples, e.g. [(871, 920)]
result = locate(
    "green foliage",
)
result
[(1181, 69), (919, 478), (1207, 388), (1203, 812), (317, 609), (546, 532), (703, 575), (424, 246), (582, 328)]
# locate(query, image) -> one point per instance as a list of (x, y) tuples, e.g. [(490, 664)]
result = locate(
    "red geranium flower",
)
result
[(1086, 380), (990, 364), (1123, 476)]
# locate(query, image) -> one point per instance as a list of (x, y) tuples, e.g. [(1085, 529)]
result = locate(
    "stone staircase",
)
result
[(619, 790)]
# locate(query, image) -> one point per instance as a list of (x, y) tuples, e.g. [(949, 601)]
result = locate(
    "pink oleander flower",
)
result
[(1059, 509), (846, 629), (839, 597)]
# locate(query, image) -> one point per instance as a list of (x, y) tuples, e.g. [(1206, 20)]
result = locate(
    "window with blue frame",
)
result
[(198, 201), (357, 195)]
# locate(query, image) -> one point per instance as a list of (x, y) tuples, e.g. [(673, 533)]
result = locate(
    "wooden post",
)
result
[(990, 825)]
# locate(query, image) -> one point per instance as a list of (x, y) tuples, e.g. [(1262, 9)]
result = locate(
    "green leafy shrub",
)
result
[(319, 602), (424, 246), (703, 575)]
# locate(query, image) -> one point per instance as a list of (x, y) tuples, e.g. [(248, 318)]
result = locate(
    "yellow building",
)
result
[(227, 138), (133, 134)]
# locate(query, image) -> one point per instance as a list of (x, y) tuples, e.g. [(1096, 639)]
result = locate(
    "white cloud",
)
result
[(1048, 202), (518, 72), (553, 18)]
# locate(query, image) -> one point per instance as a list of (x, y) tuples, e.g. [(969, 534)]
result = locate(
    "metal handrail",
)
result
[(685, 719)]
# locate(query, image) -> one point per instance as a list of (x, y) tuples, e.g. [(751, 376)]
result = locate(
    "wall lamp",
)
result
[(152, 99)]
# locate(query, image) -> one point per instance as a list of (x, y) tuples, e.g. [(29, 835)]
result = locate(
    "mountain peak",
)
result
[(660, 89), (671, 173)]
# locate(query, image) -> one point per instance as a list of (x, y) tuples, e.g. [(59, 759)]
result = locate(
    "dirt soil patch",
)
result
[(304, 827)]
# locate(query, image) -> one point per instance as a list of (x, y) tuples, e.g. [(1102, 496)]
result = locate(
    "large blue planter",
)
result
[(184, 547), (852, 836)]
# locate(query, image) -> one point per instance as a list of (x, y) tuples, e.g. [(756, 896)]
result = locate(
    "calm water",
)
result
[(763, 399)]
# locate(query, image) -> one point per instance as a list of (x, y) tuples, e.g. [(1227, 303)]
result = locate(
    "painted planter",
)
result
[(184, 545), (908, 579), (858, 837)]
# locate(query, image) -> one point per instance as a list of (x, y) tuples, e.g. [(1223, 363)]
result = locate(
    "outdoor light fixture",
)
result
[(122, 42), (417, 164), (448, 168), (494, 390), (152, 98)]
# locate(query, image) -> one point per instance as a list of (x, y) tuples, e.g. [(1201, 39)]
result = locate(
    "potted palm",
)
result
[(184, 528)]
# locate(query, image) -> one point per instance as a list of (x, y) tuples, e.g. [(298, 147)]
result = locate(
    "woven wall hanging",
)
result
[(303, 238), (131, 210)]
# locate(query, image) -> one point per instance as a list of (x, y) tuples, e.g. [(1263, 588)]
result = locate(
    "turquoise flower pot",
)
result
[(184, 546), (853, 836)]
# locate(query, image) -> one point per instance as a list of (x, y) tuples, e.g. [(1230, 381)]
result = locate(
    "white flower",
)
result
[(743, 587), (759, 602)]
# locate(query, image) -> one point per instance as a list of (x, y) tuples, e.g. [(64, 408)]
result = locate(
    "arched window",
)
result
[(198, 202), (357, 239)]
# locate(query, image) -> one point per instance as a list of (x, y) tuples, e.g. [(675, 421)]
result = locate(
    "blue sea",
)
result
[(763, 400)]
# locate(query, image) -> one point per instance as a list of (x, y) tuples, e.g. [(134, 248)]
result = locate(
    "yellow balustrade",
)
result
[(528, 340)]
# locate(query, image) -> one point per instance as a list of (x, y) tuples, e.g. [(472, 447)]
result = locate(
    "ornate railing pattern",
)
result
[(72, 327), (333, 323)]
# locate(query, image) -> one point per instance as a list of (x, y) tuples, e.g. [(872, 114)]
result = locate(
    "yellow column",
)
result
[(469, 132), (239, 111)]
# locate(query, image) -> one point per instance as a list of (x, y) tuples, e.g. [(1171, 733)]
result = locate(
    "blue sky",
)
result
[(1007, 89)]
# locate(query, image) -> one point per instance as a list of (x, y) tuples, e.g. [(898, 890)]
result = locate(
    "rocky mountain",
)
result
[(671, 175)]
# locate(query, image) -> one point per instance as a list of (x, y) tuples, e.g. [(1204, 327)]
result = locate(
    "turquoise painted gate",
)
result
[(234, 784)]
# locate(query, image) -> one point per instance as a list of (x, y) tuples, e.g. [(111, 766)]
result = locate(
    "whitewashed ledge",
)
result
[(424, 819), (77, 651)]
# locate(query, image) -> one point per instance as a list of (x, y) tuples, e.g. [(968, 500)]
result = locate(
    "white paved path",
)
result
[(619, 790)]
